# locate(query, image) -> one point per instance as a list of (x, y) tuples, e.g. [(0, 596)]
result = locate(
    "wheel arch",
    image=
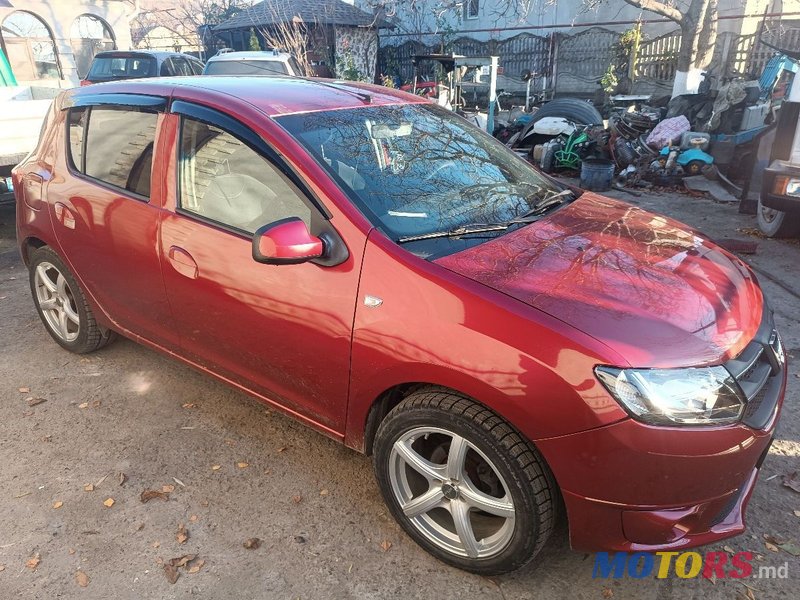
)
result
[(29, 246)]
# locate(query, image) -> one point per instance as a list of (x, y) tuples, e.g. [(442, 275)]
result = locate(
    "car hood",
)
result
[(652, 289)]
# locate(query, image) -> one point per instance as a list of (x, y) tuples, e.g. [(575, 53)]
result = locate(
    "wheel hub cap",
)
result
[(450, 491)]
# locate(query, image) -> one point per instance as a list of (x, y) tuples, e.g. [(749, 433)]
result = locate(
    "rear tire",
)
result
[(62, 305), (776, 223), (463, 483)]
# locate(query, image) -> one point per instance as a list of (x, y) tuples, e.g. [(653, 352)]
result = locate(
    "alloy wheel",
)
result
[(451, 492), (57, 302)]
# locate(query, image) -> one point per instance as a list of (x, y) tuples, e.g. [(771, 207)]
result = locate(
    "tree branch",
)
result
[(660, 8)]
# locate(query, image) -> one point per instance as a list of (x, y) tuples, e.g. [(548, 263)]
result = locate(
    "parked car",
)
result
[(135, 64), (510, 352), (269, 63)]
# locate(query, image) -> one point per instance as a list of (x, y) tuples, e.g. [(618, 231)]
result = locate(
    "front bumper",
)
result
[(635, 487)]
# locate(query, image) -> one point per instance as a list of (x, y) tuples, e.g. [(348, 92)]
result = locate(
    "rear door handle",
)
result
[(182, 262), (64, 215)]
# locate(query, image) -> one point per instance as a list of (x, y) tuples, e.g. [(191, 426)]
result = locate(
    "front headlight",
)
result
[(691, 396)]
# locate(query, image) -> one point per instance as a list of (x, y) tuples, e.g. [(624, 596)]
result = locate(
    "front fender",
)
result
[(434, 326)]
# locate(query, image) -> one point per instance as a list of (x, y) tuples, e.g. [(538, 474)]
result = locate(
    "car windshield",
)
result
[(264, 68), (418, 169), (121, 67)]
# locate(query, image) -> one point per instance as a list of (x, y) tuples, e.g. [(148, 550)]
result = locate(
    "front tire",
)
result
[(776, 223), (62, 306), (463, 483)]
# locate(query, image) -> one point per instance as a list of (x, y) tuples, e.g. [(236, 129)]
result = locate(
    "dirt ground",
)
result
[(237, 470)]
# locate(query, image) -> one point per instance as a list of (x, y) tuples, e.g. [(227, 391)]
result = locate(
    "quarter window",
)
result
[(77, 126), (225, 180), (118, 149)]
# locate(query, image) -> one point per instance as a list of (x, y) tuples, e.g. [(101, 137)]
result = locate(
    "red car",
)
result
[(509, 352)]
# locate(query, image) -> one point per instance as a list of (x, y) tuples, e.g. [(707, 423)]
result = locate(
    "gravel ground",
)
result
[(236, 470)]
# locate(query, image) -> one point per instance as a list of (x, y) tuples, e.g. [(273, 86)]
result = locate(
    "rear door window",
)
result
[(118, 145)]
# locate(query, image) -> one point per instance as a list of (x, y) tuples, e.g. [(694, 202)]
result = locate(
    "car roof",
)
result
[(159, 54), (252, 55), (274, 96)]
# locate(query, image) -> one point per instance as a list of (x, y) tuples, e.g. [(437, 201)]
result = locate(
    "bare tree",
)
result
[(292, 35), (184, 17)]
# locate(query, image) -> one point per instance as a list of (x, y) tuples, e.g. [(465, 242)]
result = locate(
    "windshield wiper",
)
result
[(542, 205), (456, 232), (533, 214)]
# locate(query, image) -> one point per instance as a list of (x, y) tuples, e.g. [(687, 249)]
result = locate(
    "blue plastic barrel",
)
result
[(596, 174)]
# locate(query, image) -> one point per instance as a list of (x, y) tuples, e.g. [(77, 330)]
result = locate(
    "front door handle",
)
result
[(64, 215), (182, 262)]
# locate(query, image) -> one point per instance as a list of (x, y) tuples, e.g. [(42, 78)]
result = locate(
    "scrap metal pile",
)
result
[(698, 135)]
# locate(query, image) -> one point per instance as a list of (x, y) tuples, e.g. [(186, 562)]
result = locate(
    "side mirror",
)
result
[(286, 242)]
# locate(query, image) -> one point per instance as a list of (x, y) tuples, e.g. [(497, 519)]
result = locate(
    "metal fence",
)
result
[(575, 63)]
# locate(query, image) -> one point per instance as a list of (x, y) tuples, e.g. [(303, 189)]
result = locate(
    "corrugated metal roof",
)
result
[(322, 12)]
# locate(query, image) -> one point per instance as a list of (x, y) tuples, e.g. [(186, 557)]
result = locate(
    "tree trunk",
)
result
[(698, 38)]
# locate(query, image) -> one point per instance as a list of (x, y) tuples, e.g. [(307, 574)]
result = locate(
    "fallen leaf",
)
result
[(791, 548), (96, 403), (189, 405), (83, 405), (774, 539), (167, 489), (182, 534), (771, 547), (282, 448), (171, 573), (792, 481), (178, 481), (297, 499), (88, 487), (35, 401), (156, 544), (148, 495), (252, 543), (195, 566), (81, 578), (58, 504), (242, 465), (109, 502), (385, 545), (71, 551), (608, 593), (33, 562), (193, 519), (24, 390), (216, 467), (323, 492), (181, 560), (2, 567)]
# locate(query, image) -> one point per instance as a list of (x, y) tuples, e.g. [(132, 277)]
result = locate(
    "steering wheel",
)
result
[(445, 165)]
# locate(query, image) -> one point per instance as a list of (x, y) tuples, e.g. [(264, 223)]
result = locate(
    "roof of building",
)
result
[(323, 12), (272, 96)]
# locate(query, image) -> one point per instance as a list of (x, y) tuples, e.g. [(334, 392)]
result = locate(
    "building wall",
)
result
[(59, 16)]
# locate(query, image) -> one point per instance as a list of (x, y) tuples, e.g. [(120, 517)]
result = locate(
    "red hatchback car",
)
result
[(508, 351)]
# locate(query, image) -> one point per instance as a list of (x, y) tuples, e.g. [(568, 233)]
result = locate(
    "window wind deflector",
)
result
[(154, 102)]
